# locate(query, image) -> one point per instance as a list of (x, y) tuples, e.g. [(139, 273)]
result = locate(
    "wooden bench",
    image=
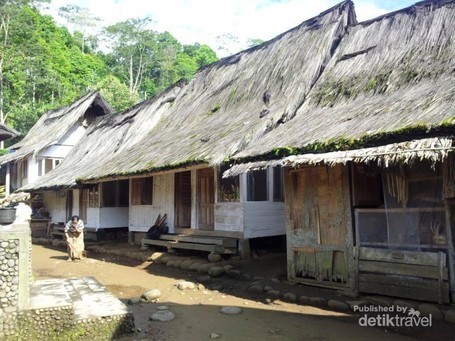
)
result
[(219, 245)]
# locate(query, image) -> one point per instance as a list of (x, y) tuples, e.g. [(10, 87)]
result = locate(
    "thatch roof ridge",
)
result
[(53, 125), (409, 9), (390, 78), (234, 58)]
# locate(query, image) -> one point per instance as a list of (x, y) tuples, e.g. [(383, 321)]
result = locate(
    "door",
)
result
[(69, 204), (83, 203), (206, 194), (183, 199), (320, 218)]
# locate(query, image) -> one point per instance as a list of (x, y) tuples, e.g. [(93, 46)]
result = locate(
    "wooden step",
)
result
[(189, 246), (225, 242)]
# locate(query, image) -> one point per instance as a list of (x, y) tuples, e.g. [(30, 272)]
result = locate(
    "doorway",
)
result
[(206, 194), (183, 199)]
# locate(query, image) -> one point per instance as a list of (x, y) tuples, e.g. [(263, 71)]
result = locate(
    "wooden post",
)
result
[(244, 248), (8, 179), (450, 251)]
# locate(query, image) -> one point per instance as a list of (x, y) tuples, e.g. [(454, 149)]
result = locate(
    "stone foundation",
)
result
[(15, 268), (60, 324)]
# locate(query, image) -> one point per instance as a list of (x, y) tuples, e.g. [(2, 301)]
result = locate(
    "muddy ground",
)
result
[(197, 312)]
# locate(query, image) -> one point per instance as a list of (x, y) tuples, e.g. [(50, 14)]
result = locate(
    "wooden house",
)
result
[(173, 163), (369, 161)]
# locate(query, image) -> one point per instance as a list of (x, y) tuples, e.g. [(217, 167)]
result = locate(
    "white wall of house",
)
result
[(264, 219), (55, 151), (55, 202), (73, 135), (253, 218), (32, 171), (142, 217), (107, 217), (111, 217), (93, 217), (229, 216)]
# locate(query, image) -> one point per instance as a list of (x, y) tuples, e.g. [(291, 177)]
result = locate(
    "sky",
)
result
[(204, 21)]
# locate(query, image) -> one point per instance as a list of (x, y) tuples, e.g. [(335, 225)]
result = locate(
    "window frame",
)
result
[(145, 197)]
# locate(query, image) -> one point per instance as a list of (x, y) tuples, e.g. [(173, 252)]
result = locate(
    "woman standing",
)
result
[(74, 233)]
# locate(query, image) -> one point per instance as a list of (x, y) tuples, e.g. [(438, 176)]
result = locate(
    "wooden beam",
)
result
[(399, 256), (387, 268), (144, 175), (215, 233)]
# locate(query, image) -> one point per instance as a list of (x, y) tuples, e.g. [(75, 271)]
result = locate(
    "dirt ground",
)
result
[(197, 312)]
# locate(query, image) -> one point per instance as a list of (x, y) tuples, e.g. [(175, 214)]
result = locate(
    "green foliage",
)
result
[(43, 66), (116, 92), (252, 42), (150, 61)]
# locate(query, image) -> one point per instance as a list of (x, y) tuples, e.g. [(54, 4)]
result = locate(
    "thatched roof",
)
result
[(54, 124), (391, 79), (431, 149), (7, 132), (232, 102), (107, 137)]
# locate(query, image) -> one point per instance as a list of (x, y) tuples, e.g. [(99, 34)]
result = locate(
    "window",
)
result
[(366, 186), (411, 214), (142, 191), (93, 197), (278, 184), (48, 166), (229, 188), (115, 194), (257, 185)]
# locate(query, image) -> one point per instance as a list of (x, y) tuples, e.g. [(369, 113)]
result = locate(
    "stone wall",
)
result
[(15, 268)]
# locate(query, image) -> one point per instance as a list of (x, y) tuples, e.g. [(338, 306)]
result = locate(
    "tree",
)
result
[(81, 19), (116, 93), (133, 47)]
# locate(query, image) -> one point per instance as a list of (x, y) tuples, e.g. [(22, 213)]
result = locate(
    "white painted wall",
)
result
[(264, 219), (111, 217), (55, 202), (93, 217), (55, 151), (142, 217), (255, 219), (73, 135), (229, 216)]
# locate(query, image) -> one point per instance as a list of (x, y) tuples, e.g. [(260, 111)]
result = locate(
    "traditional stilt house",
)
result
[(369, 160), (103, 206), (47, 143), (175, 167)]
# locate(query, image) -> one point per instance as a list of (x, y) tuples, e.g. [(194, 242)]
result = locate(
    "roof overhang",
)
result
[(432, 149)]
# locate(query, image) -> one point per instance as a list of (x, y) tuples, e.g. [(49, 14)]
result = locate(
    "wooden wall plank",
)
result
[(399, 256), (422, 271)]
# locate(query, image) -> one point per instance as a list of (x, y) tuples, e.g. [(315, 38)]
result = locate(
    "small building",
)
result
[(369, 161), (46, 145)]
